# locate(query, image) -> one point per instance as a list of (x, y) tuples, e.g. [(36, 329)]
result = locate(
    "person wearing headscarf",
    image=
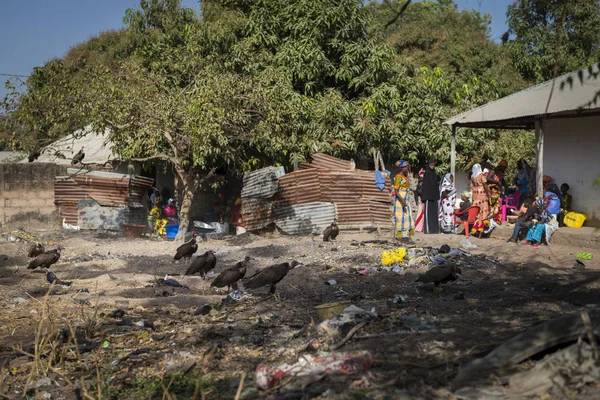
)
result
[(430, 194), (480, 191), (543, 227), (403, 220), (447, 203), (498, 177), (420, 210), (491, 221), (465, 202), (552, 196)]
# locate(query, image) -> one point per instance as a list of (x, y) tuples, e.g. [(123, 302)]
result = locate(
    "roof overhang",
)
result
[(573, 95)]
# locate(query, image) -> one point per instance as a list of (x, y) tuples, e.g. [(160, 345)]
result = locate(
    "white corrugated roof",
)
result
[(97, 148), (579, 90)]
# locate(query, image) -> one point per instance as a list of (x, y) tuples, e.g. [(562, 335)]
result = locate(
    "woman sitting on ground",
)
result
[(491, 221), (543, 226)]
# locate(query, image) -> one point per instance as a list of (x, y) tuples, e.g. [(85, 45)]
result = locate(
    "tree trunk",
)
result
[(189, 184)]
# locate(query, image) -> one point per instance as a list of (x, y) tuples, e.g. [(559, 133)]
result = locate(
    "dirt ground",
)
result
[(64, 344)]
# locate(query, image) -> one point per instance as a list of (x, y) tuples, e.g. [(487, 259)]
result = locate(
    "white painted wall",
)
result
[(572, 155)]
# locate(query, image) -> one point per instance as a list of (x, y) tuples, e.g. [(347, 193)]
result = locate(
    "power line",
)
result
[(20, 76)]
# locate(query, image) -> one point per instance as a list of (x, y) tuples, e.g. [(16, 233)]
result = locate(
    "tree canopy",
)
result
[(553, 34)]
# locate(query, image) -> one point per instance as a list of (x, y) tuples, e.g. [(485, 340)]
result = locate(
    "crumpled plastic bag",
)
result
[(346, 363), (390, 257)]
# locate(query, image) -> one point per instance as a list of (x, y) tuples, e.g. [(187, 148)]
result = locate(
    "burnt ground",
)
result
[(504, 290)]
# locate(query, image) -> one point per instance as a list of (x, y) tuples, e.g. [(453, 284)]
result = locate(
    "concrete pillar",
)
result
[(453, 152), (539, 174)]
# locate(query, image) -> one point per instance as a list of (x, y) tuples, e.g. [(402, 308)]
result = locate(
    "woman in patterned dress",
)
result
[(480, 192), (403, 219), (447, 203)]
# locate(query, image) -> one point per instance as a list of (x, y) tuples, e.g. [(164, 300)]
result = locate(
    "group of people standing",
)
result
[(437, 200), (436, 205)]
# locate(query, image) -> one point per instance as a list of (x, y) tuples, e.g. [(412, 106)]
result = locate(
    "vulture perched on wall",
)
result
[(46, 259), (440, 274), (33, 156), (331, 232), (187, 250), (270, 276), (35, 250), (202, 264), (230, 276), (77, 158)]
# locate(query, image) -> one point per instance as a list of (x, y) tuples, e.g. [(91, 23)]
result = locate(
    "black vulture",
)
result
[(331, 232), (33, 156), (440, 274), (270, 276), (187, 250), (230, 276), (51, 278), (35, 250), (77, 158), (46, 259), (202, 264)]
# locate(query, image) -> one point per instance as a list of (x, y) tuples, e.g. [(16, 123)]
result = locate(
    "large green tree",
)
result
[(553, 34)]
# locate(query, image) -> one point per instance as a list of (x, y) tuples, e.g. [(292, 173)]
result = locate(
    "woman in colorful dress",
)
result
[(447, 204), (491, 221), (403, 220), (480, 192)]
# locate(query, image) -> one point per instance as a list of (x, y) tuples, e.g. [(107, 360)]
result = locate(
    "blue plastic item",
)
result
[(171, 231)]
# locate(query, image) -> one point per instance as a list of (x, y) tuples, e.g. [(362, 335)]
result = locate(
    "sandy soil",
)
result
[(504, 290)]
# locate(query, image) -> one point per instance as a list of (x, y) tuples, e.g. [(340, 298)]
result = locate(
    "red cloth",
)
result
[(236, 215), (170, 211)]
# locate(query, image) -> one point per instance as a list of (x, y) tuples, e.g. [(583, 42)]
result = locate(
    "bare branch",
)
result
[(399, 14)]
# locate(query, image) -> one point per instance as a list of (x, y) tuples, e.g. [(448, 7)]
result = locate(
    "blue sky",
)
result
[(33, 32)]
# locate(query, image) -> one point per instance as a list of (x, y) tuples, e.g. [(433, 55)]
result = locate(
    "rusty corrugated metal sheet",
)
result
[(300, 187), (304, 218), (108, 189), (262, 183), (324, 161), (257, 213), (364, 213)]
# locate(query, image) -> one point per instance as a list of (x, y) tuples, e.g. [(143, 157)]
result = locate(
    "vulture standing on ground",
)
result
[(270, 276), (440, 274), (230, 276), (202, 264), (77, 158), (187, 250), (33, 156), (46, 259), (331, 232), (35, 250), (51, 278)]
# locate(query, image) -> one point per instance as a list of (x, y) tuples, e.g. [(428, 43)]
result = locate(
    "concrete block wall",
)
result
[(27, 195)]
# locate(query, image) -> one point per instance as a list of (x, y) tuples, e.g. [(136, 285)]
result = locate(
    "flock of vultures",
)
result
[(229, 277)]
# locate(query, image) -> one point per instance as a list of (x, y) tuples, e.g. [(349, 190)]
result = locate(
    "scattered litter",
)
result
[(438, 259), (415, 323), (363, 272), (397, 269), (389, 257), (459, 296), (119, 313), (578, 265), (168, 281), (445, 249), (204, 310), (315, 367), (330, 310), (467, 245), (400, 299), (331, 282), (84, 302), (585, 256), (112, 277), (105, 344), (353, 310), (236, 296)]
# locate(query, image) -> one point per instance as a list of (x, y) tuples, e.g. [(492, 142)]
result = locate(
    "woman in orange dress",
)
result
[(481, 192)]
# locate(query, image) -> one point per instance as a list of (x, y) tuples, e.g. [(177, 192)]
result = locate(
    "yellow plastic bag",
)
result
[(574, 220), (390, 257)]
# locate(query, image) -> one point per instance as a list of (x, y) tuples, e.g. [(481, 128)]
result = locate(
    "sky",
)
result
[(33, 32)]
